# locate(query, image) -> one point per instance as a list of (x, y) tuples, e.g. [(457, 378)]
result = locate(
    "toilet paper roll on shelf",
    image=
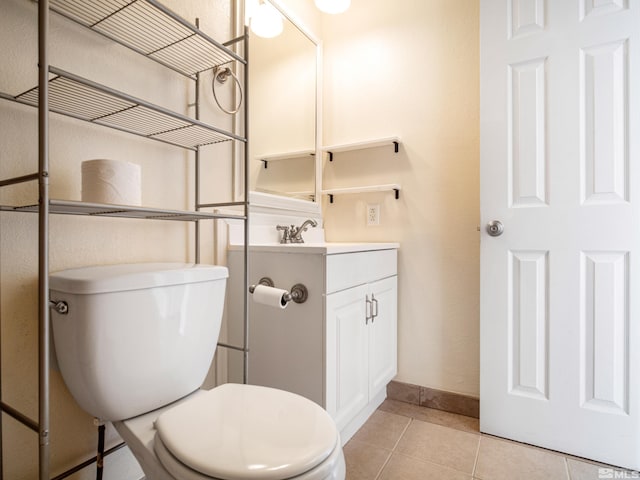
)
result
[(266, 294), (111, 181)]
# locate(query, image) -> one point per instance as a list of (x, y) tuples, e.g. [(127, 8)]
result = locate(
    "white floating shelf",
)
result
[(391, 187), (374, 143), (274, 157)]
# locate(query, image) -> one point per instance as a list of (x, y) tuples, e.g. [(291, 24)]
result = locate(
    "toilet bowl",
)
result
[(236, 432), (135, 346)]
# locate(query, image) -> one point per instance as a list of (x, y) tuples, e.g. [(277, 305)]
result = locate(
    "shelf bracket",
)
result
[(397, 190), (396, 147)]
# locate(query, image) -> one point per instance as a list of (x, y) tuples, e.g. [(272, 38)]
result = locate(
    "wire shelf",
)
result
[(150, 29), (68, 207), (83, 99)]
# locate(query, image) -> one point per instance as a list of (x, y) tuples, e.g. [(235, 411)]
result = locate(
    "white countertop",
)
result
[(326, 248)]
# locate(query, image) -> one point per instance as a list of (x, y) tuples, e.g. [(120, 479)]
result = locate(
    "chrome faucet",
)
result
[(296, 233), (293, 234), (286, 233)]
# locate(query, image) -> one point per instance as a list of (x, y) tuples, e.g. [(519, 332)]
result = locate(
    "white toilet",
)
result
[(134, 349)]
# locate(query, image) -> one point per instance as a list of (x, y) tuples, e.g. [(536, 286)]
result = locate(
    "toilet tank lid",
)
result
[(134, 276)]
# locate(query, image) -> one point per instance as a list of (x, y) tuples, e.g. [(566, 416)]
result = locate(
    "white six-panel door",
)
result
[(560, 169)]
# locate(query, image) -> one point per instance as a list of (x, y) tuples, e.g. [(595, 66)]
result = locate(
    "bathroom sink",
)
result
[(319, 247)]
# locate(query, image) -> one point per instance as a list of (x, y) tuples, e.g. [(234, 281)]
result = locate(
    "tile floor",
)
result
[(407, 442)]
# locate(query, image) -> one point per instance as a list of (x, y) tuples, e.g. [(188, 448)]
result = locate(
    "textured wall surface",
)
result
[(167, 181), (412, 69)]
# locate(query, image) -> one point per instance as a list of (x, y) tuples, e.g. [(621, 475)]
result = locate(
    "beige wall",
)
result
[(75, 241), (410, 68), (405, 68)]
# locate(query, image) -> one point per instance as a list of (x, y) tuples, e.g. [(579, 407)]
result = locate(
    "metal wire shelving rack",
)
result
[(83, 99), (157, 33)]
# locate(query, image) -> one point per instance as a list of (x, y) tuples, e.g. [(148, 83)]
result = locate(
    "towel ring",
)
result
[(221, 75)]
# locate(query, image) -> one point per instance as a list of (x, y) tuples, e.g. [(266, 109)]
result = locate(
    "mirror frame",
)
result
[(295, 20)]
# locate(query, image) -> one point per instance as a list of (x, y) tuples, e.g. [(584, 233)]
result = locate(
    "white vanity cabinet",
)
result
[(339, 348), (361, 334)]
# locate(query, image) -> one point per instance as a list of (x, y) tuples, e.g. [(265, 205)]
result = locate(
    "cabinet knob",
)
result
[(369, 310)]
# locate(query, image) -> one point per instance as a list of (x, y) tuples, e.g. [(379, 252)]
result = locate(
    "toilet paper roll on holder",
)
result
[(298, 293)]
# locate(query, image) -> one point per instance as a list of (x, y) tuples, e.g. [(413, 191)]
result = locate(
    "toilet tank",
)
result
[(136, 337)]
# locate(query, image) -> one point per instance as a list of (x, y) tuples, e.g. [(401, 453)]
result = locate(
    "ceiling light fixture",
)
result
[(265, 20), (333, 6)]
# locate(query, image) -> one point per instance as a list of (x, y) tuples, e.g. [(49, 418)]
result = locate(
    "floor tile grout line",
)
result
[(475, 462), (402, 434), (394, 448), (432, 462), (384, 465), (565, 457), (566, 467), (453, 425)]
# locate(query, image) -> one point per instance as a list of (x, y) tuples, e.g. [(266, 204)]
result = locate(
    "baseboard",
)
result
[(432, 398)]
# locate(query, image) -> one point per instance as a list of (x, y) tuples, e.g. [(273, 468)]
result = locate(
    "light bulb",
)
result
[(333, 6), (266, 21)]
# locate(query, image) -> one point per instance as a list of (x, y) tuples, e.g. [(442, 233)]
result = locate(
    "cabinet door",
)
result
[(346, 354), (383, 341)]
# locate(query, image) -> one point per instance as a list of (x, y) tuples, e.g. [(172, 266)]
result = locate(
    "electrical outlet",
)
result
[(373, 214)]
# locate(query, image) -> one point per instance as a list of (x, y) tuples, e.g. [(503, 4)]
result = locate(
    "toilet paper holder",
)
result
[(298, 293)]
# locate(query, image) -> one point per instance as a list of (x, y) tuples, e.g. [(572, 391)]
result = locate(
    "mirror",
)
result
[(282, 112)]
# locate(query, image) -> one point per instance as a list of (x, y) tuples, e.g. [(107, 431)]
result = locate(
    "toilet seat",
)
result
[(333, 468), (247, 432)]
